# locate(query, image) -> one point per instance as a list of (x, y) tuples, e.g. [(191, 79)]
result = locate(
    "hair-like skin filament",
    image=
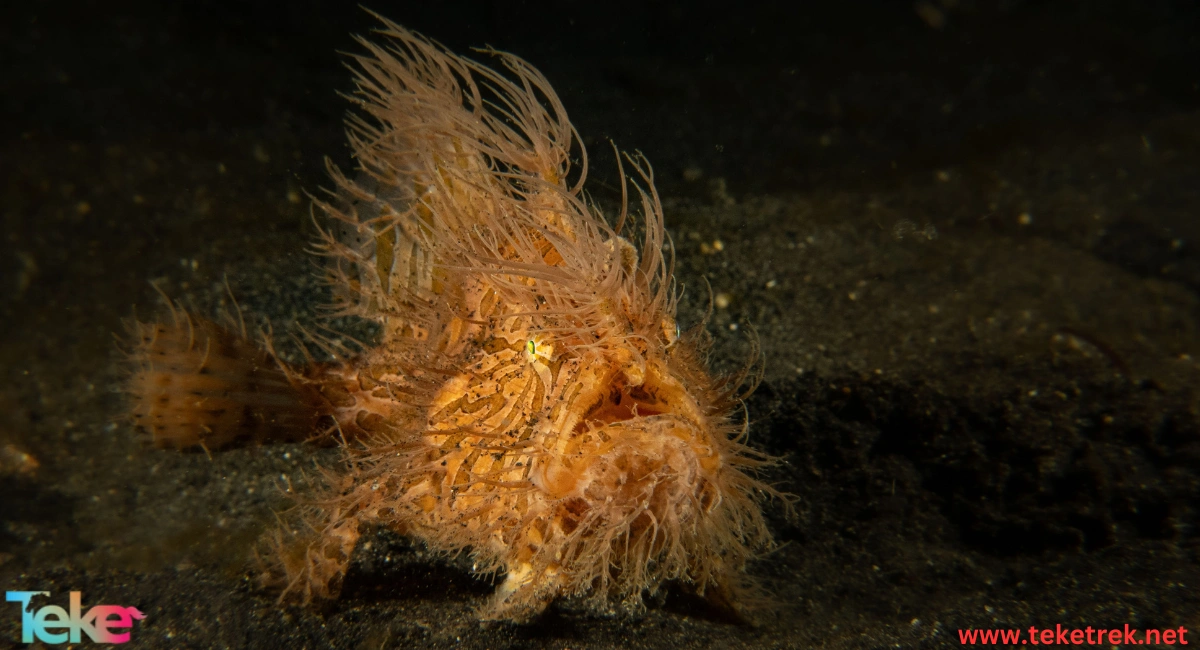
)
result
[(531, 400)]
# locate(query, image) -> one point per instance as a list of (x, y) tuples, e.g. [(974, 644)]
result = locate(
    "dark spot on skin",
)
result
[(248, 419)]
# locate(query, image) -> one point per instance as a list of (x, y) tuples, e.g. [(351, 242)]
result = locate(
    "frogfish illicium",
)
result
[(530, 400)]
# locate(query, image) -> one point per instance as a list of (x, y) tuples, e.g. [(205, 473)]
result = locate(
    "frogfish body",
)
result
[(530, 399)]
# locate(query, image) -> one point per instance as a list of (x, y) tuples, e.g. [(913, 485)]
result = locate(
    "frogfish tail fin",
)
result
[(195, 384)]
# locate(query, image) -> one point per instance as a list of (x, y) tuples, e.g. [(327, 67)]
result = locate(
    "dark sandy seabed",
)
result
[(969, 253)]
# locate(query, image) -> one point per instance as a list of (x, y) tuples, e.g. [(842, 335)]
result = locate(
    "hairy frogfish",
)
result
[(530, 400)]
